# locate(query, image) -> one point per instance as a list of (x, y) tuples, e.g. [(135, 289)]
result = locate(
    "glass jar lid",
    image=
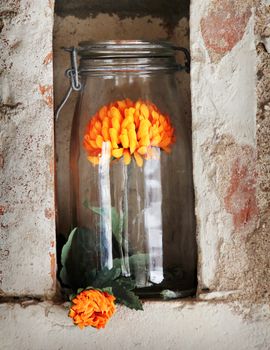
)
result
[(125, 49)]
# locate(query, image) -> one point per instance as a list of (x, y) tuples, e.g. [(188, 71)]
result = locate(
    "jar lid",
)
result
[(126, 48)]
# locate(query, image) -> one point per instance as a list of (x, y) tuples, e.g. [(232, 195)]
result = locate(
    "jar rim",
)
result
[(126, 49)]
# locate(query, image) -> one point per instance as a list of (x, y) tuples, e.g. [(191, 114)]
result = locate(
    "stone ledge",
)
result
[(163, 325)]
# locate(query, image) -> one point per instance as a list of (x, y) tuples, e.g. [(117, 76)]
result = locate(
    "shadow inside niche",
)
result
[(169, 12)]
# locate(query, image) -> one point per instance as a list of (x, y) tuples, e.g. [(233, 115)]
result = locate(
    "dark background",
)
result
[(169, 11)]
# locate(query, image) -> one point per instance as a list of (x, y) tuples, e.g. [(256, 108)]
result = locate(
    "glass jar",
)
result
[(131, 165)]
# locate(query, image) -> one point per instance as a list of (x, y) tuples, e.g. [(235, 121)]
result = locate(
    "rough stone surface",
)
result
[(224, 146), (224, 25), (231, 147), (27, 236), (171, 325), (258, 275), (257, 244)]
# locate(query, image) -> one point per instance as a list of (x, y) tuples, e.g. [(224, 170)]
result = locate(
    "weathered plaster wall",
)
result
[(231, 158), (69, 31), (27, 236)]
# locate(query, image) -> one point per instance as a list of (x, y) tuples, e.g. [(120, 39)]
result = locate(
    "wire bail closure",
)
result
[(187, 56), (73, 75)]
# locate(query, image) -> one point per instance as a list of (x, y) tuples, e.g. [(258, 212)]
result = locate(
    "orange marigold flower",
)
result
[(134, 130), (92, 308)]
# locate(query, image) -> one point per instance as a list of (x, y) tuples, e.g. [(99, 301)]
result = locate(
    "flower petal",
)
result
[(117, 153), (139, 159)]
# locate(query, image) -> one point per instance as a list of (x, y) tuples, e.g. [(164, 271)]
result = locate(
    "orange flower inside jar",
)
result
[(132, 129)]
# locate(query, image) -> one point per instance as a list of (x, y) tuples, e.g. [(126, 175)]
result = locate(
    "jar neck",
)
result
[(134, 65)]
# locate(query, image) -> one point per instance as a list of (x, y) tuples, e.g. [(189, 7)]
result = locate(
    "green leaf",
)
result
[(88, 288), (66, 247), (126, 296), (117, 221), (64, 257), (79, 256), (130, 299), (105, 277), (126, 282), (136, 261), (117, 263), (72, 296), (117, 226), (97, 210)]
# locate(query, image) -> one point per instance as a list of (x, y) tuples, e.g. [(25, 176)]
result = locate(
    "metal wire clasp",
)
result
[(187, 56), (72, 72), (73, 75)]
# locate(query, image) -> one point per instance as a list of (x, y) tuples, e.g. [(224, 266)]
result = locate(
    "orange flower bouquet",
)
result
[(133, 129)]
